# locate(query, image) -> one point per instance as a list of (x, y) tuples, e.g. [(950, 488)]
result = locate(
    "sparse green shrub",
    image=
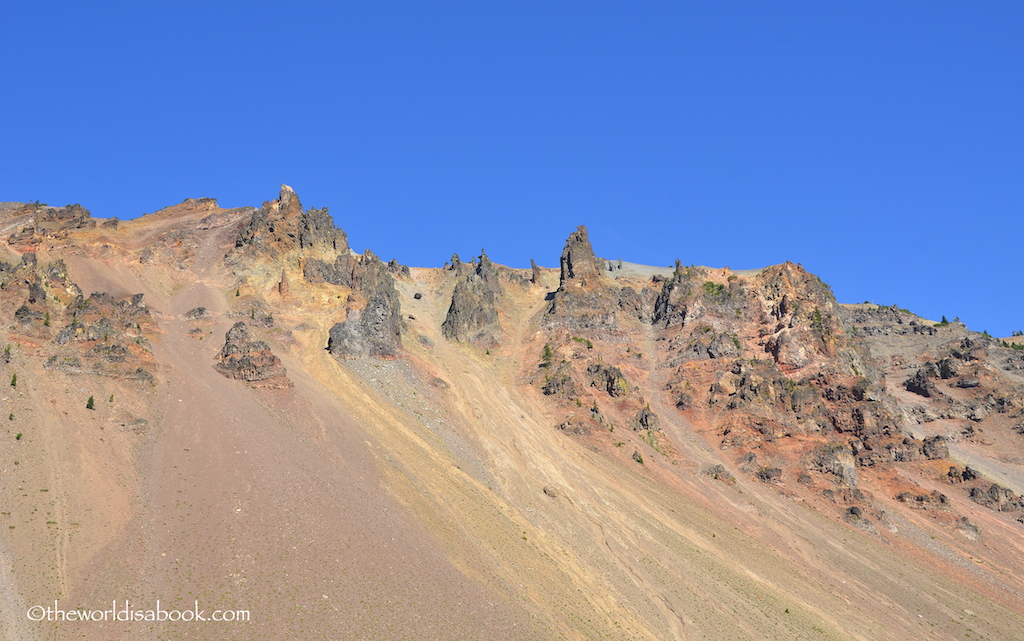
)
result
[(111, 398), (712, 289), (46, 319), (817, 321), (14, 379), (548, 354), (238, 292), (90, 404), (584, 341), (11, 417), (17, 437)]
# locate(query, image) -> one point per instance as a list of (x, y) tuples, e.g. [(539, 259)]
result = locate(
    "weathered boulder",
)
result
[(645, 419), (560, 383), (922, 383), (586, 299), (935, 448), (248, 360), (704, 343), (836, 460), (608, 378)]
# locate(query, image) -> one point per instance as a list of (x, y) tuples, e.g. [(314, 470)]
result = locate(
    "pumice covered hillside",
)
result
[(230, 409)]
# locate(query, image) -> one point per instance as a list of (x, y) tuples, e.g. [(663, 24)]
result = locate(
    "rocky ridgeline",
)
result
[(790, 385), (281, 231), (43, 223), (763, 359), (245, 359), (176, 245), (473, 314), (878, 320)]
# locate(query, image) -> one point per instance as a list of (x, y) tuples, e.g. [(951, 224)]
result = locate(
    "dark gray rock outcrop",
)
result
[(473, 314), (586, 299), (245, 359), (608, 378), (578, 260), (935, 448), (560, 383), (48, 222), (274, 228), (340, 272), (921, 383), (374, 329), (317, 231), (645, 419)]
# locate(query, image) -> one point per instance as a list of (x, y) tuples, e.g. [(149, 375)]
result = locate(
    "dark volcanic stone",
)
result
[(645, 420), (375, 329), (245, 359), (473, 314), (578, 259)]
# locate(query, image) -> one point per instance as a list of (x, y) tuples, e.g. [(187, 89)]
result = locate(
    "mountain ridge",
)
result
[(598, 450)]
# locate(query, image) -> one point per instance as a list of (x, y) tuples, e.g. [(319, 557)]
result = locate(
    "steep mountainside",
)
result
[(230, 407)]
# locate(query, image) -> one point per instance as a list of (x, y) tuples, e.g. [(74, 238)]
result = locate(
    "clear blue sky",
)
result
[(880, 144)]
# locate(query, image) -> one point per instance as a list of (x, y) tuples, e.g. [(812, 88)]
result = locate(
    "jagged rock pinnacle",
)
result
[(578, 260)]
